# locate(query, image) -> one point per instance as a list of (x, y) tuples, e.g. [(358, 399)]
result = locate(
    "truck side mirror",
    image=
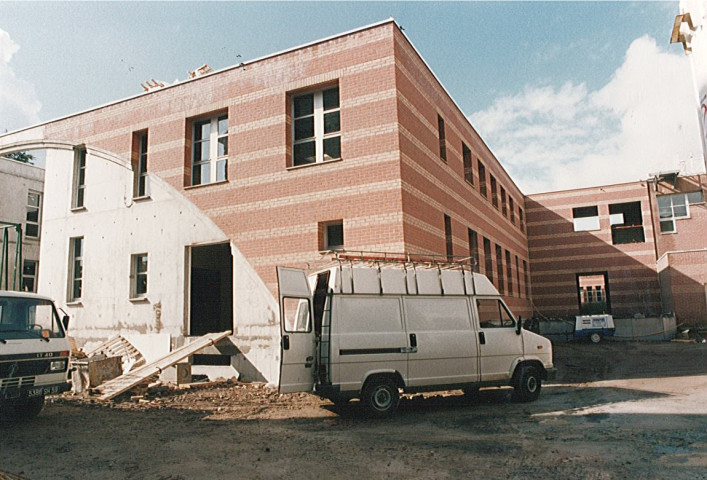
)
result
[(65, 322), (519, 326)]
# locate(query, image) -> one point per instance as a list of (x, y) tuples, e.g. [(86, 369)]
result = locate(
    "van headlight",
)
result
[(57, 365)]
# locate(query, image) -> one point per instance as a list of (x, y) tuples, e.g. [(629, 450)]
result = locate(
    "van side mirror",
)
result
[(65, 322), (519, 325)]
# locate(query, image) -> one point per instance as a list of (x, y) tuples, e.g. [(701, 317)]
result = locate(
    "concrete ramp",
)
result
[(125, 382)]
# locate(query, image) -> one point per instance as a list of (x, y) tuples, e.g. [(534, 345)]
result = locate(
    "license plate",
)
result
[(39, 391)]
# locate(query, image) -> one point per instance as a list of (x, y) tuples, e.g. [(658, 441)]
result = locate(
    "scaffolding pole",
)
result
[(6, 227)]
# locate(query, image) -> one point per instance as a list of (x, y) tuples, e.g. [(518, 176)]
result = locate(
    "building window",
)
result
[(29, 275), (585, 218), (593, 293), (494, 191), (316, 125), (331, 235), (468, 169), (488, 261), (449, 243), (79, 190), (518, 276), (209, 158), (482, 179), (626, 223), (138, 275), (511, 208), (504, 202), (675, 206), (442, 139), (526, 279), (474, 250), (521, 220), (509, 273), (75, 269), (141, 185), (499, 268), (34, 207)]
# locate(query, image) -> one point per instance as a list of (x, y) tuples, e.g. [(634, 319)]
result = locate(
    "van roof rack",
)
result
[(418, 259)]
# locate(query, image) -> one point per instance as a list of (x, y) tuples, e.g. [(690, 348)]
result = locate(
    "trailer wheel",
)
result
[(527, 385), (381, 396), (595, 337), (30, 408)]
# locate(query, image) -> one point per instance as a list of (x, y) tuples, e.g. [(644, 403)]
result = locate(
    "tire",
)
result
[(381, 397), (595, 337), (30, 408), (528, 384)]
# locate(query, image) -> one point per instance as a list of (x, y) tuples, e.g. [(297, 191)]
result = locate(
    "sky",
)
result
[(566, 94)]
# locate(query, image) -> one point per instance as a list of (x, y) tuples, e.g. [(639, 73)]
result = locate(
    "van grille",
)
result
[(17, 382)]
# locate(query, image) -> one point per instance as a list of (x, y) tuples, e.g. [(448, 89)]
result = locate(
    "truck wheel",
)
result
[(595, 337), (527, 385), (381, 397), (30, 408)]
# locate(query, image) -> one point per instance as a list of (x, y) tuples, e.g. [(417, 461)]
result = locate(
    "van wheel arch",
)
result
[(380, 393)]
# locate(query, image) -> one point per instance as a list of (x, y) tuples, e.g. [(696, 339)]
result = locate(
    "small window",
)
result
[(332, 235), (504, 202), (482, 179), (34, 207), (29, 275), (626, 223), (509, 273), (448, 240), (75, 269), (511, 209), (676, 206), (442, 139), (518, 276), (526, 278), (474, 250), (494, 191), (79, 184), (209, 158), (493, 314), (138, 275), (316, 127), (521, 220), (585, 218), (141, 186), (499, 267), (488, 261), (468, 169), (296, 316)]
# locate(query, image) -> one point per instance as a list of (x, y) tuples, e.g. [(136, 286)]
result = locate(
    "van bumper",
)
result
[(15, 395), (550, 374)]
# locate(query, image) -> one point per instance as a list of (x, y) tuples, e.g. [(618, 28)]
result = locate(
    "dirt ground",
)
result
[(617, 410)]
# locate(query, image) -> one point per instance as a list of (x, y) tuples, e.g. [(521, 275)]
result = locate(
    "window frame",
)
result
[(325, 245), (78, 188), (494, 191), (671, 219), (468, 163), (483, 187), (30, 209), (474, 250), (74, 261), (319, 134), (442, 138), (585, 225), (136, 274), (141, 180), (214, 138), (33, 277)]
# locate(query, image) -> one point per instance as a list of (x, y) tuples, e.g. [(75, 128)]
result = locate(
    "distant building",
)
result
[(21, 195)]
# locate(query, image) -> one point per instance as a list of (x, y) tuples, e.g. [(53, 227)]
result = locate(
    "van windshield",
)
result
[(25, 318)]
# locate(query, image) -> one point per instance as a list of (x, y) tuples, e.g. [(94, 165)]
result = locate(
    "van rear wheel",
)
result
[(381, 396), (527, 385)]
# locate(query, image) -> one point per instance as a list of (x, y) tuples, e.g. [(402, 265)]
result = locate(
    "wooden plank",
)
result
[(115, 387)]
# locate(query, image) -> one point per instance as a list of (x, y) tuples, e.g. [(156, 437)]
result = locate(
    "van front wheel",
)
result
[(381, 396), (30, 408), (528, 384)]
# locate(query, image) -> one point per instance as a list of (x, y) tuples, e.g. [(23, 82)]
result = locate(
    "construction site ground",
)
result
[(616, 410)]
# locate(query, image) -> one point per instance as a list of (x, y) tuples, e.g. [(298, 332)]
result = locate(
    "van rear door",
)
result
[(297, 344)]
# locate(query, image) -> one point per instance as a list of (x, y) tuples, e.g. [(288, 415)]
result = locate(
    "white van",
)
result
[(369, 330), (34, 351)]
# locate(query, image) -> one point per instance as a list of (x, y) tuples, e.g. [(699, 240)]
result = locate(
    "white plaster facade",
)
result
[(17, 180), (114, 226)]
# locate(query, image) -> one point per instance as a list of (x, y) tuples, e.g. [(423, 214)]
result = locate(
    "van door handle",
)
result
[(482, 338), (285, 342), (308, 362), (413, 340)]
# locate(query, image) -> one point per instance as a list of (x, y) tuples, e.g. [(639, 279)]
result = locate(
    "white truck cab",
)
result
[(371, 329), (34, 351)]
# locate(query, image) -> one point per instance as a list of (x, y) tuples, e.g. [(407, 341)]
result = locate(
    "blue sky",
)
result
[(561, 62)]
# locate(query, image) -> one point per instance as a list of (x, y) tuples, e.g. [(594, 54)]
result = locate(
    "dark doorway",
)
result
[(211, 292)]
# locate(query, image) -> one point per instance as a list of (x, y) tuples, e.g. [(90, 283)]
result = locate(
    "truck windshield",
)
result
[(24, 318)]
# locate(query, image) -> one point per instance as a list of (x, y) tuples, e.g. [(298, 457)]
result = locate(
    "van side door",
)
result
[(297, 345), (499, 343)]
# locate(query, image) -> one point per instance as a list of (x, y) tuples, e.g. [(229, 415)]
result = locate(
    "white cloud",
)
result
[(19, 105), (642, 121)]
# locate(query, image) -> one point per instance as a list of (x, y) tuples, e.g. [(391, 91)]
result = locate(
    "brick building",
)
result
[(172, 208)]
